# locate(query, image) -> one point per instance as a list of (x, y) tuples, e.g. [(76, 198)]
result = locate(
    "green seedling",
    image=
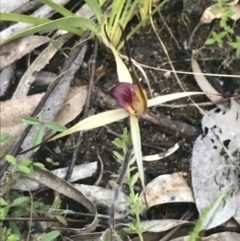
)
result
[(133, 200), (226, 12), (24, 166), (14, 207), (4, 137), (38, 138)]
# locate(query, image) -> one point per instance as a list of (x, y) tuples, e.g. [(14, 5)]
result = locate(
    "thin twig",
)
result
[(86, 109), (119, 183)]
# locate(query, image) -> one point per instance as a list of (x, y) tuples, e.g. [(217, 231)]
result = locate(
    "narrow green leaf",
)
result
[(15, 229), (222, 34), (38, 138), (3, 212), (136, 140), (55, 126), (51, 235), (4, 137), (31, 120), (70, 24), (3, 202), (93, 4), (165, 98), (24, 169), (117, 8), (38, 164), (95, 121), (58, 8), (134, 179), (139, 25), (21, 201), (118, 156), (210, 41), (15, 17), (11, 159)]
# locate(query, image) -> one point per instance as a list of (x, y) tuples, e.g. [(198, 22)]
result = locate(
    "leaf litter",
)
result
[(228, 162)]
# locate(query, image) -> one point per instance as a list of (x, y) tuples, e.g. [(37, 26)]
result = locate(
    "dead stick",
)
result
[(86, 109)]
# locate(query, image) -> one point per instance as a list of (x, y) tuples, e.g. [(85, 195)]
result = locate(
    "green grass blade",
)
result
[(14, 17), (58, 8), (117, 8), (70, 24), (93, 4), (135, 29), (129, 14)]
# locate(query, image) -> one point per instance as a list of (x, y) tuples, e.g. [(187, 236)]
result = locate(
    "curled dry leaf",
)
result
[(102, 197), (224, 236), (157, 226), (15, 50), (50, 180), (79, 172), (162, 155), (168, 188), (211, 12), (216, 154), (203, 83)]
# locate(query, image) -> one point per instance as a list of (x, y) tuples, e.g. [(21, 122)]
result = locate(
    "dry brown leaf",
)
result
[(168, 188), (12, 111), (208, 16), (224, 236), (203, 83), (79, 172), (72, 106), (12, 51), (215, 153)]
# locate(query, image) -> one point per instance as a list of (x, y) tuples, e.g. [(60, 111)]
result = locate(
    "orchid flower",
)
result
[(133, 100)]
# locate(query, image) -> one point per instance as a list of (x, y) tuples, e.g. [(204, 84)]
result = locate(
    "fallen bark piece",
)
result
[(169, 188), (102, 197), (15, 50)]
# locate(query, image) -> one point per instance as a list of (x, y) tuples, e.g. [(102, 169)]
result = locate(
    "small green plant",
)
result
[(133, 200), (16, 205), (226, 12), (40, 133), (4, 137), (25, 166)]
